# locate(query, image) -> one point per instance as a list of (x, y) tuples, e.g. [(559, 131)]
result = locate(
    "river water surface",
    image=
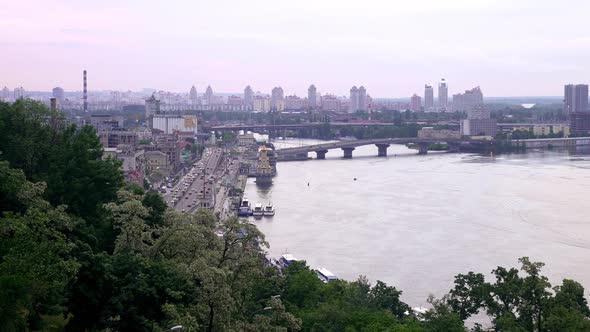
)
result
[(417, 221)]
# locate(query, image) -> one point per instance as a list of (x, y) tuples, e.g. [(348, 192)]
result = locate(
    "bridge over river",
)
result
[(455, 145), (305, 125)]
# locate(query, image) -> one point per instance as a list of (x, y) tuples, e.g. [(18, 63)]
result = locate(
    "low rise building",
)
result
[(330, 103), (168, 124), (261, 104), (294, 103), (545, 129), (132, 162), (246, 139), (430, 132), (479, 127), (580, 122), (479, 123), (113, 138), (167, 144), (548, 129), (157, 161)]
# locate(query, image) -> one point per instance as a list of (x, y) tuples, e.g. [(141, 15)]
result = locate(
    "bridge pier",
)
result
[(423, 148), (321, 154), (347, 153), (382, 150)]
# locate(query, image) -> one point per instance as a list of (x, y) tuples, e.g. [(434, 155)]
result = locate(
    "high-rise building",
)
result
[(354, 99), (415, 103), (58, 94), (209, 95), (428, 97), (276, 98), (248, 93), (443, 94), (575, 98), (193, 96), (471, 99), (5, 94), (152, 107), (19, 93), (362, 106), (312, 97)]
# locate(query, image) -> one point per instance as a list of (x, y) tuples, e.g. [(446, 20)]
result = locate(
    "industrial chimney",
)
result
[(85, 97)]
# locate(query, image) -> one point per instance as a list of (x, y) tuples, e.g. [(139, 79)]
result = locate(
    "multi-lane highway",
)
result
[(197, 187)]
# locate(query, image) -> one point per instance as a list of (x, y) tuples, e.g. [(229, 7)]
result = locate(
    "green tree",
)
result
[(36, 261), (156, 208), (442, 318), (468, 295)]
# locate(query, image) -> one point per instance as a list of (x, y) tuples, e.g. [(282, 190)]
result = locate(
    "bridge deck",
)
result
[(357, 143), (405, 140)]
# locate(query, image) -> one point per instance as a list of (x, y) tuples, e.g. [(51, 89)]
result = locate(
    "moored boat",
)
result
[(245, 208), (269, 210), (286, 260), (325, 275), (258, 210)]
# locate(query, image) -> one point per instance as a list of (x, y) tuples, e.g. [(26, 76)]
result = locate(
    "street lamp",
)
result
[(266, 308), (176, 328), (261, 310)]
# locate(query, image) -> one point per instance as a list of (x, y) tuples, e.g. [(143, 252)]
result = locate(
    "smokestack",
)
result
[(85, 94), (53, 103)]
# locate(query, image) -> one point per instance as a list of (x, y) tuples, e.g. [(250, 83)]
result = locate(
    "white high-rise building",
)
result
[(193, 96), (5, 94), (443, 94), (19, 93), (354, 99), (312, 98), (276, 99), (358, 99), (362, 101), (209, 95), (248, 94)]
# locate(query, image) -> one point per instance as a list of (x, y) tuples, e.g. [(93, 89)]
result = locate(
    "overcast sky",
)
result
[(392, 47)]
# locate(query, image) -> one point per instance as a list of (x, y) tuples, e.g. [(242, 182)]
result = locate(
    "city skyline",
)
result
[(398, 47)]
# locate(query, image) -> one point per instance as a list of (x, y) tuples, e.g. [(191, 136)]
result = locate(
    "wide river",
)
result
[(417, 221)]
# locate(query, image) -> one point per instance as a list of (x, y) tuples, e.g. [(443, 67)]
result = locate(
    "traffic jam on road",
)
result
[(196, 188)]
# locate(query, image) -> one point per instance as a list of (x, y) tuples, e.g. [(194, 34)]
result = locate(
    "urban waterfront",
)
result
[(417, 221)]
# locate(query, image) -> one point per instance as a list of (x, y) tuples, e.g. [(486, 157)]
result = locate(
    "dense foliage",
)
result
[(79, 251)]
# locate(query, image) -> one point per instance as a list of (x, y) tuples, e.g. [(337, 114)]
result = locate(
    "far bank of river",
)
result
[(417, 221)]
